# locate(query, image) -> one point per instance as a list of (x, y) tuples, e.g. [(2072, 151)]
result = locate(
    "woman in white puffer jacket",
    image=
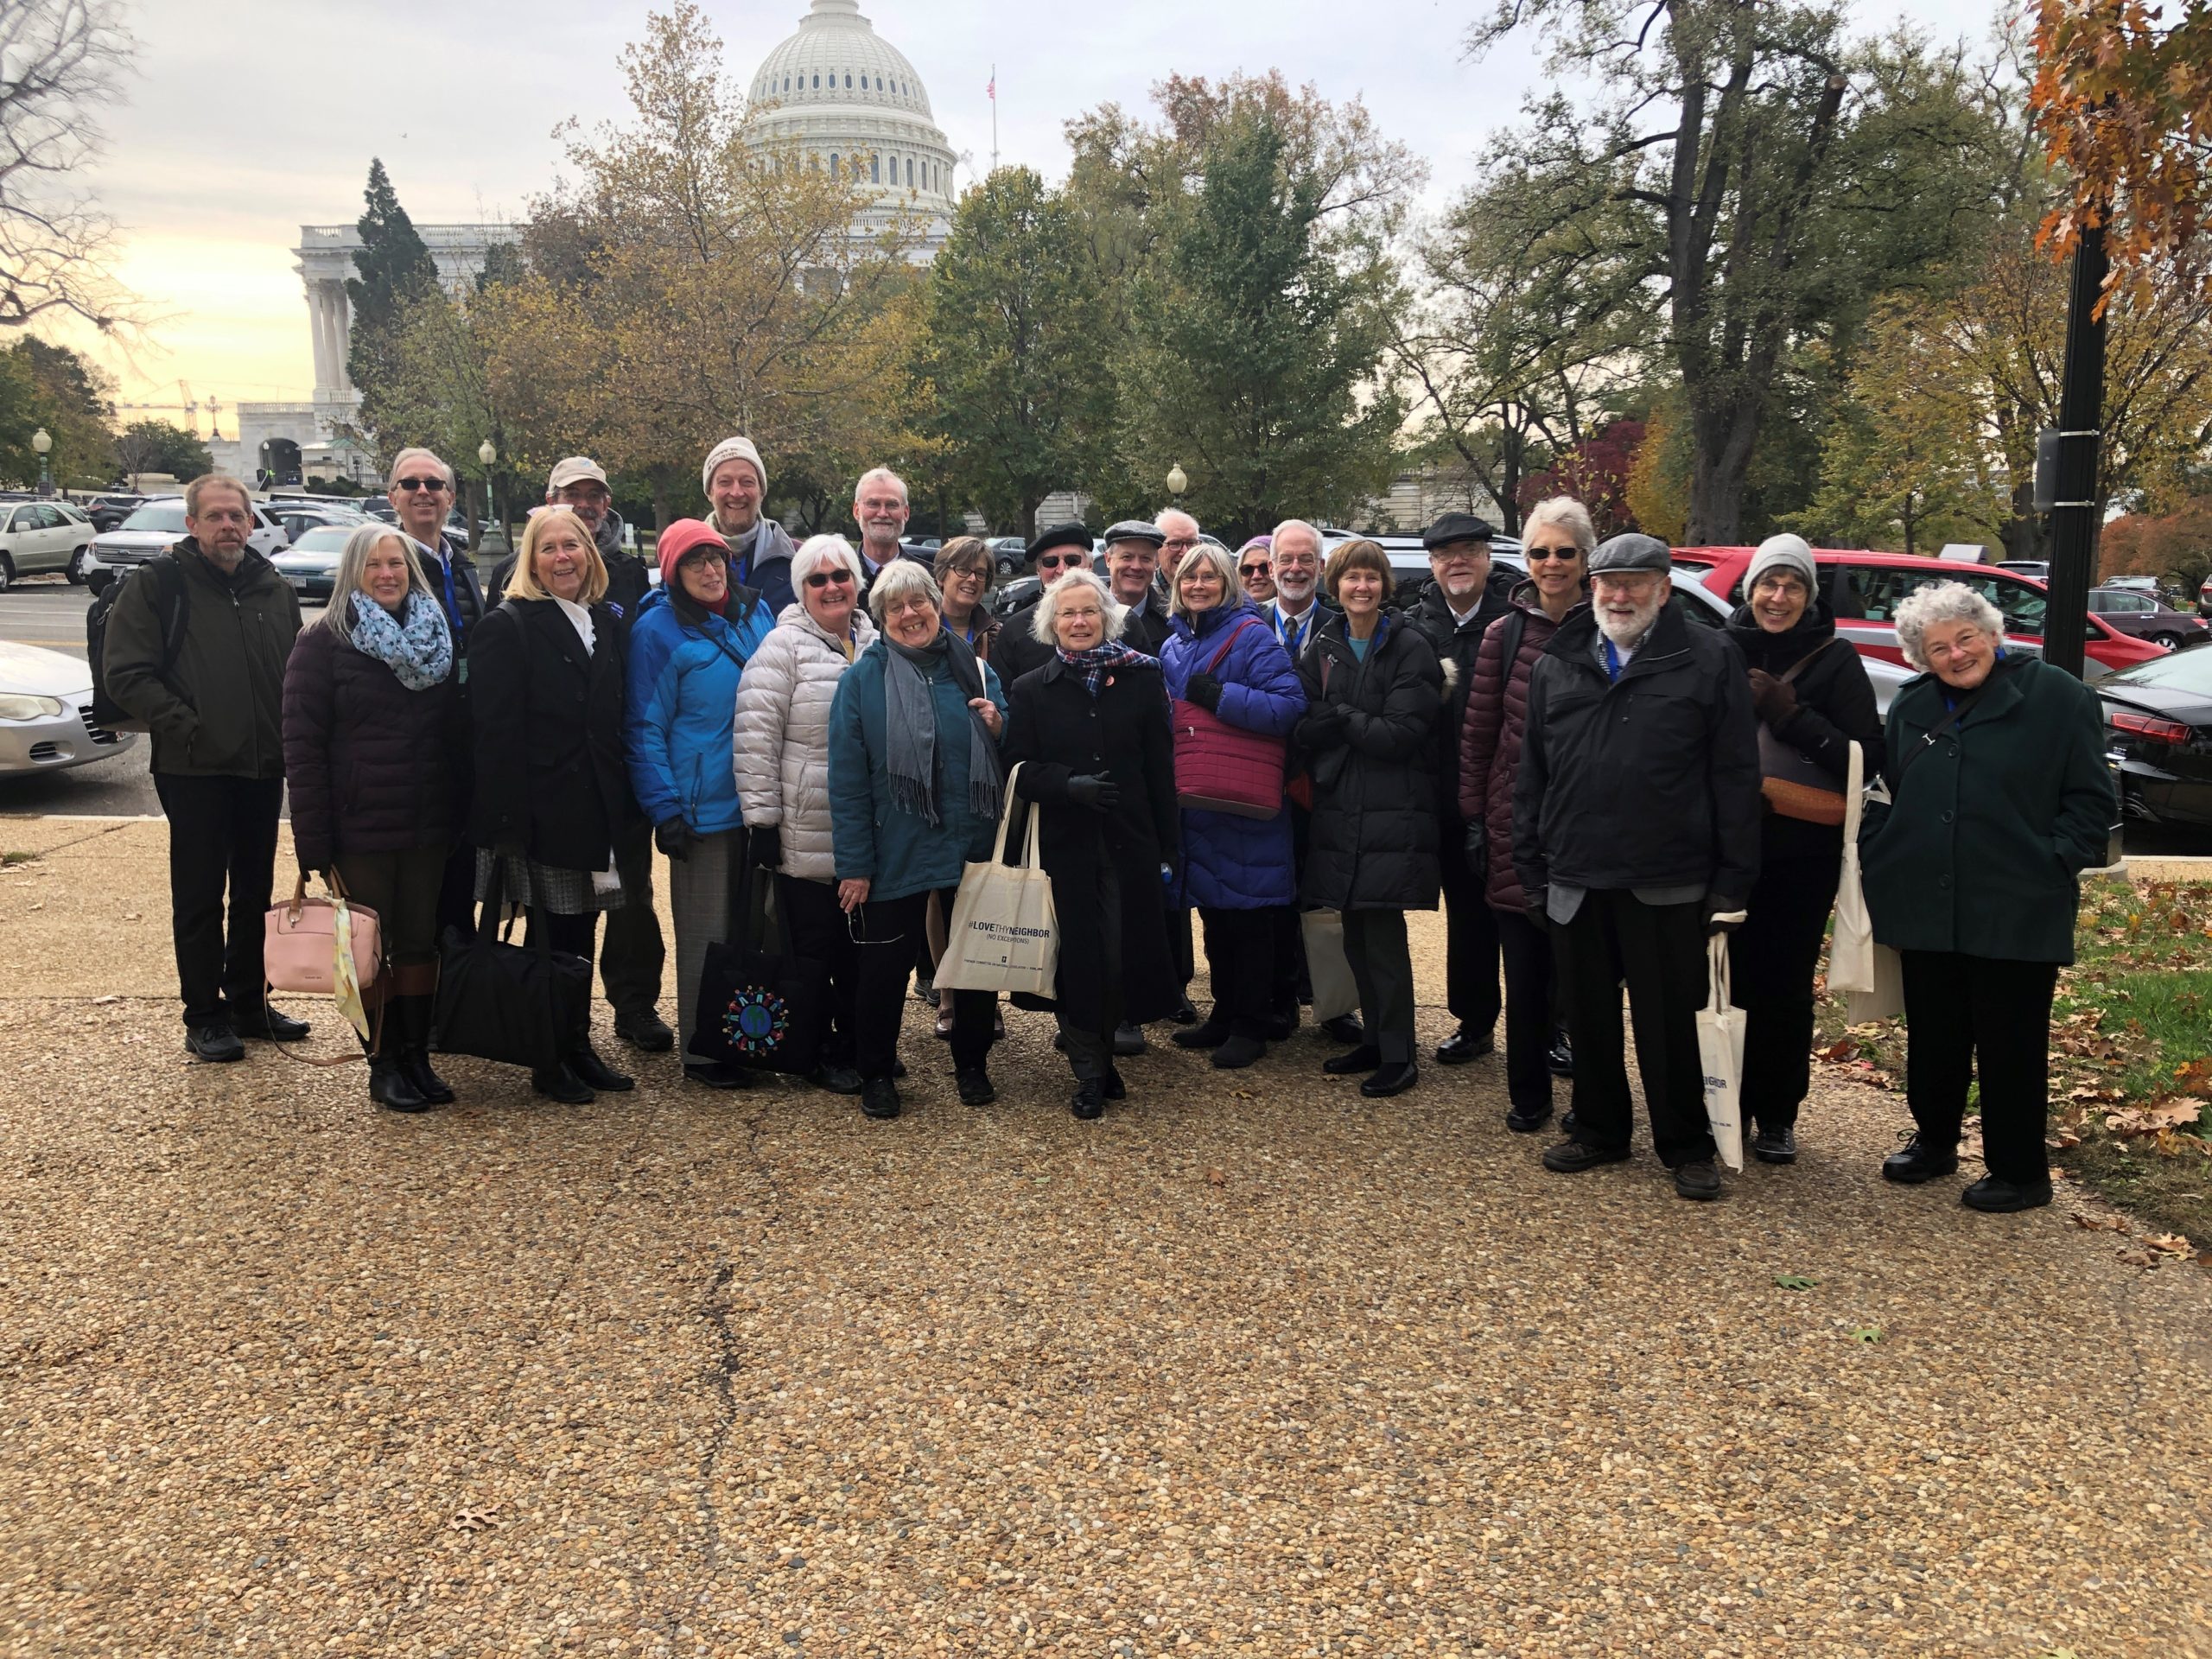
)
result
[(783, 771)]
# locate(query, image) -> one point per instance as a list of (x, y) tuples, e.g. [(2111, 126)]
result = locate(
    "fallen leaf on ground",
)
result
[(1867, 1333), (2168, 1243), (1793, 1281), (2148, 1120)]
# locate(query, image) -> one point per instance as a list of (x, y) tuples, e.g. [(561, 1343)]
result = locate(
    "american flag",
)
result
[(991, 91)]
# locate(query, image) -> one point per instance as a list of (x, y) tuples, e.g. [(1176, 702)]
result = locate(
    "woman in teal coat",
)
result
[(2000, 798), (915, 790)]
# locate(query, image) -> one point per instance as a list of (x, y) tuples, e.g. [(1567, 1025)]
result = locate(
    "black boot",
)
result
[(388, 1083), (592, 1071), (1089, 1101), (559, 1083), (413, 1012)]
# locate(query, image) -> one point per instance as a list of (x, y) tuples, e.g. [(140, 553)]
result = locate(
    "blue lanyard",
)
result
[(453, 610), (1612, 662), (1293, 633)]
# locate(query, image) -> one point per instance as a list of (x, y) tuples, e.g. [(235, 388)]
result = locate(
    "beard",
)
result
[(1297, 587), (1626, 628)]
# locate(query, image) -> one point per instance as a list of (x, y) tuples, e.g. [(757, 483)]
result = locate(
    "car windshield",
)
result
[(2184, 670), (167, 517), (324, 538)]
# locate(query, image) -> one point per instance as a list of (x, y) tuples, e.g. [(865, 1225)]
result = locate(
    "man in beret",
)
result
[(1132, 561), (1635, 834), (1051, 556), (1463, 595)]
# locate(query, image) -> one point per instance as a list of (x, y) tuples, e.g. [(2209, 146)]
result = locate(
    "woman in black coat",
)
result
[(1089, 732), (1814, 701), (1374, 685), (375, 756), (545, 680)]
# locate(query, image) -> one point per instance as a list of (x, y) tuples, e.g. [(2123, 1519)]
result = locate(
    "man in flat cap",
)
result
[(1132, 561), (1635, 834), (1051, 556), (1465, 594)]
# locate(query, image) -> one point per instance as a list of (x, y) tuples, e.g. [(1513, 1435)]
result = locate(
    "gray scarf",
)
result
[(910, 728)]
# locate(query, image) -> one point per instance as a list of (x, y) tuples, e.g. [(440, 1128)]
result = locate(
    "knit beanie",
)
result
[(1783, 552), (732, 449)]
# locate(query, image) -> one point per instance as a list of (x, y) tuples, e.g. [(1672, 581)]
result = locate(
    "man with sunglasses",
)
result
[(421, 493), (1464, 596), (1053, 555)]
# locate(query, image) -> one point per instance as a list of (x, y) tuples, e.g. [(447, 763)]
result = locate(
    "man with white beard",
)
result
[(1635, 834)]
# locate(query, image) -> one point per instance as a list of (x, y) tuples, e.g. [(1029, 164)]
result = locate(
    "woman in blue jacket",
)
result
[(688, 647), (1222, 655), (915, 790)]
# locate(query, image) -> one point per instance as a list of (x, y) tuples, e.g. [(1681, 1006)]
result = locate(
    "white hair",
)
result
[(1159, 523), (1048, 607), (1942, 602), (880, 474), (1301, 525), (818, 550), (895, 581), (1222, 562), (1569, 514)]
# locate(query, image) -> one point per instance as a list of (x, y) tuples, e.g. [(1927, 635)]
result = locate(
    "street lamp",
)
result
[(43, 443), (1177, 483), (488, 453)]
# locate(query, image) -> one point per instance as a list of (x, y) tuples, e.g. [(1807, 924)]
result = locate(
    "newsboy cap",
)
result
[(1058, 536), (1457, 527), (1136, 530), (1632, 550)]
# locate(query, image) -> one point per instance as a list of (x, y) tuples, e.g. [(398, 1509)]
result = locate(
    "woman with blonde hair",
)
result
[(375, 755), (546, 674)]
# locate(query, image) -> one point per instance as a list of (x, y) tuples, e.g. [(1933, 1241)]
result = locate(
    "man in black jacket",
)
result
[(1051, 556), (1635, 834), (1132, 561), (1463, 595)]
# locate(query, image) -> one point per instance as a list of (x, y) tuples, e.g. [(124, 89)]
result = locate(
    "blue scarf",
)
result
[(418, 650), (1093, 665)]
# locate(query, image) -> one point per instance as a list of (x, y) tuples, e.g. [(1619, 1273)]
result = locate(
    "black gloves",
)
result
[(767, 846), (1205, 691), (1095, 790), (1774, 701), (1324, 726), (1476, 851), (675, 838)]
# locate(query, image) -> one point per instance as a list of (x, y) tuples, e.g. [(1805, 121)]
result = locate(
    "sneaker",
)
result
[(1775, 1145), (1237, 1053), (214, 1042), (837, 1079), (1697, 1179), (1573, 1157), (1527, 1120), (975, 1086), (1129, 1039), (1997, 1197), (880, 1098), (1919, 1161), (1463, 1046), (647, 1031)]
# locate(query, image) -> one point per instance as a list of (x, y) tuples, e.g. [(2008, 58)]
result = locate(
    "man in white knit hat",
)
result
[(736, 482)]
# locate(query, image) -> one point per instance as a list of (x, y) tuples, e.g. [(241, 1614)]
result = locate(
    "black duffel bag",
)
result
[(760, 1003), (519, 1004)]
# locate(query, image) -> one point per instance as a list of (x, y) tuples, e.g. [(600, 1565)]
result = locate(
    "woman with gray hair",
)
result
[(915, 789), (1089, 732), (375, 747), (1999, 798)]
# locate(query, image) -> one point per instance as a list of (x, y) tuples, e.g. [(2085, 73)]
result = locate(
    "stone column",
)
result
[(341, 329), (315, 333)]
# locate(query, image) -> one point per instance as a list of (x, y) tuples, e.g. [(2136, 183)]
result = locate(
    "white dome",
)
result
[(837, 58)]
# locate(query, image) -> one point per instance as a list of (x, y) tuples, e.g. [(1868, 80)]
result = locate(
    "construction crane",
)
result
[(190, 406)]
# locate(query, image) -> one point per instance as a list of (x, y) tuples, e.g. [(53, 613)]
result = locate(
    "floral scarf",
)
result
[(417, 647), (1092, 666)]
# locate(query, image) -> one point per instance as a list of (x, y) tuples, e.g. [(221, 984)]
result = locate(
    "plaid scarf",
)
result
[(1092, 666)]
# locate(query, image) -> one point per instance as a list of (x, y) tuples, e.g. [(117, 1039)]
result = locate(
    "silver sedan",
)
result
[(46, 713)]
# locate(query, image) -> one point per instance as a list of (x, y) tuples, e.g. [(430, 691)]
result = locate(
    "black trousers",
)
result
[(1659, 951), (1090, 1040), (457, 891), (1240, 962), (886, 929), (631, 962), (1382, 968), (1529, 1009), (222, 836), (819, 932), (1470, 939), (1981, 1015), (1771, 958)]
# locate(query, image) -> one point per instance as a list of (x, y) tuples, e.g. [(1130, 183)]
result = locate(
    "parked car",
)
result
[(311, 563), (2037, 569), (38, 536), (2146, 616), (106, 511), (376, 508), (46, 712), (1009, 553), (299, 520), (2159, 737), (159, 526), (1864, 589), (2204, 598)]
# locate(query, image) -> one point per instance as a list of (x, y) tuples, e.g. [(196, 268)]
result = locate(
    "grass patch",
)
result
[(2131, 1052), (10, 859)]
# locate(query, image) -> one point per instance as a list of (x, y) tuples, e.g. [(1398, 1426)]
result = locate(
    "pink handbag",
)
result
[(299, 943), (1224, 768)]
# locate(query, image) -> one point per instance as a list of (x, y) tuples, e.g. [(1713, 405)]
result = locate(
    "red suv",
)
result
[(1864, 590)]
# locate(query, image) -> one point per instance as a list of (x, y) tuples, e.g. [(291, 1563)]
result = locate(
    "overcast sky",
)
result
[(248, 118)]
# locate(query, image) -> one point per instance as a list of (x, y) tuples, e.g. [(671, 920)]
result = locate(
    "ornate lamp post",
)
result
[(1177, 482), (489, 453), (43, 444)]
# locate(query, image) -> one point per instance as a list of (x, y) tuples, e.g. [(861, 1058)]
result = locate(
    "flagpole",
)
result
[(994, 117)]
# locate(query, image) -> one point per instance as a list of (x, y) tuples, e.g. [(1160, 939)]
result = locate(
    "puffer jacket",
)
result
[(1232, 862), (678, 713), (783, 735), (1369, 735), (1490, 741), (1457, 649)]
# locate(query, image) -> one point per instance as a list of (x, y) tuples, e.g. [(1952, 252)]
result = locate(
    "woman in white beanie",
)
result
[(1814, 701), (736, 482)]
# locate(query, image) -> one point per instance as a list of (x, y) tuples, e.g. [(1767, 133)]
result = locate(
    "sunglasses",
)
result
[(1534, 553), (411, 484), (1053, 561), (823, 578), (1260, 569)]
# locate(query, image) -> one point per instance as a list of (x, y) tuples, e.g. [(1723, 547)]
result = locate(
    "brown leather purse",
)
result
[(1796, 787)]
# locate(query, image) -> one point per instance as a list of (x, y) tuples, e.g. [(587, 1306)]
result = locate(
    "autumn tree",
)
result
[(1595, 471), (2174, 546)]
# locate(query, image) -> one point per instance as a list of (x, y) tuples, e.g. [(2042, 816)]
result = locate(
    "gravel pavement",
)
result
[(1249, 1367)]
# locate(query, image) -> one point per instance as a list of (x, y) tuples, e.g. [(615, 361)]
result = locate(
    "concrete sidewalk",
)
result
[(1252, 1366)]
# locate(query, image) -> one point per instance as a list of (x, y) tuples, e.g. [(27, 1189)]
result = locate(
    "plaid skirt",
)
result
[(524, 884)]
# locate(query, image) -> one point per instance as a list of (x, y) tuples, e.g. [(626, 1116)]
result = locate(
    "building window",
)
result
[(833, 164), (849, 83), (817, 83), (910, 172), (875, 169)]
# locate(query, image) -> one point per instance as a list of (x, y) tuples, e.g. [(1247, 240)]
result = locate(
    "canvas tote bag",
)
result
[(1335, 991), (1004, 934), (1720, 1047), (1851, 949)]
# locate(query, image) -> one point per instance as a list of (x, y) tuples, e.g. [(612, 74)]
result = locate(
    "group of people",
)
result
[(1592, 785)]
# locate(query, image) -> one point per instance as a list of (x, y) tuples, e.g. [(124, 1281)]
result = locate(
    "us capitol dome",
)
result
[(844, 98)]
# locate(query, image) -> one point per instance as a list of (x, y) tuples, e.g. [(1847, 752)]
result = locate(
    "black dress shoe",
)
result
[(1238, 1052), (976, 1087), (716, 1074), (391, 1088), (1697, 1179), (1568, 1123), (897, 1068), (1283, 1024), (1344, 1028), (880, 1098), (1527, 1120), (1777, 1145), (1186, 1015), (1560, 1057), (1212, 1035), (596, 1073), (1573, 1157), (647, 1031), (1113, 1088), (1089, 1101), (1998, 1197), (1365, 1058), (214, 1043), (837, 1079), (1919, 1161), (1394, 1078), (1128, 1040), (1463, 1046), (267, 1025), (559, 1083)]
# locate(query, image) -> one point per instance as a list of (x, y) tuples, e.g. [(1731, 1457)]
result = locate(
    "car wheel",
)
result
[(7, 573), (76, 571), (2171, 641)]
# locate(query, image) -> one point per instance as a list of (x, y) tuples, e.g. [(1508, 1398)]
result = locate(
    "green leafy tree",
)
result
[(163, 446), (43, 385), (395, 271)]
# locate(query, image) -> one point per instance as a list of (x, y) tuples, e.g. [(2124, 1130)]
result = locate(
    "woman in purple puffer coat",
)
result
[(1221, 654)]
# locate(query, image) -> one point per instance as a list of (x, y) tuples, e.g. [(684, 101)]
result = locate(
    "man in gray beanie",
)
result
[(1635, 834), (735, 480)]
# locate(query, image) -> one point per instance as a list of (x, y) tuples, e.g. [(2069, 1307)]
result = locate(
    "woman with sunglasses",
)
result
[(1256, 569), (783, 772), (915, 788), (1556, 538), (690, 641)]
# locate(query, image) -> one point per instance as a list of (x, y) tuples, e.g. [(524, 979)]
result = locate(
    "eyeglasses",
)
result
[(411, 484), (1179, 544), (823, 578), (1535, 554), (1260, 568), (1053, 561)]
